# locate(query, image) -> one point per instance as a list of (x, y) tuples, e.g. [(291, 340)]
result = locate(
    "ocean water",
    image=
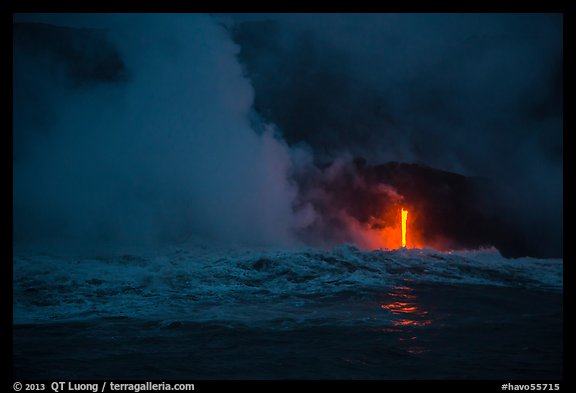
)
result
[(214, 313)]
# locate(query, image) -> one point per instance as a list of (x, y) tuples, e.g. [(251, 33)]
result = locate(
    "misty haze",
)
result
[(288, 196)]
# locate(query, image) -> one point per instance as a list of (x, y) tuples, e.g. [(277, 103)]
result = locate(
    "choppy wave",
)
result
[(285, 286)]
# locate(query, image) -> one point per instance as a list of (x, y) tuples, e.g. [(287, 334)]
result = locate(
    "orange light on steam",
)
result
[(404, 218)]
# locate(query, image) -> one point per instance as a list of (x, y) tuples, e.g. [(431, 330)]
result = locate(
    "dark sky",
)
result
[(197, 128), (449, 90)]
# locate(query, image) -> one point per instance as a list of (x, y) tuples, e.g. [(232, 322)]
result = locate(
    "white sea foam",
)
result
[(239, 284)]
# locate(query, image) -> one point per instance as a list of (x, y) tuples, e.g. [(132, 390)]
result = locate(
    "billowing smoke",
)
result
[(140, 130), (135, 130), (475, 94)]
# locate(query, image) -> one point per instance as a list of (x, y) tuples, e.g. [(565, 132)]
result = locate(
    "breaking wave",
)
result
[(254, 285)]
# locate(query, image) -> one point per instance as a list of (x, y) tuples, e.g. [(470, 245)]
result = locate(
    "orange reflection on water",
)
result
[(402, 308), (401, 295), (410, 322), (410, 314)]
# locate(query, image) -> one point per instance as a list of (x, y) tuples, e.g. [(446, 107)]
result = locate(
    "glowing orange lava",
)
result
[(389, 229), (404, 218)]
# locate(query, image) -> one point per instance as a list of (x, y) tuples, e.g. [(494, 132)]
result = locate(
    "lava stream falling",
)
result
[(404, 218)]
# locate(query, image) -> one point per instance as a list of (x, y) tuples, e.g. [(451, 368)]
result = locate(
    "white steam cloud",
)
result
[(167, 154)]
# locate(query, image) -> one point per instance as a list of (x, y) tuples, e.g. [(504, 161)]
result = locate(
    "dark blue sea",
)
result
[(214, 313)]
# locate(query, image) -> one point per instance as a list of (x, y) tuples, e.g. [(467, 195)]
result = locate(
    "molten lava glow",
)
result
[(389, 229), (404, 218)]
